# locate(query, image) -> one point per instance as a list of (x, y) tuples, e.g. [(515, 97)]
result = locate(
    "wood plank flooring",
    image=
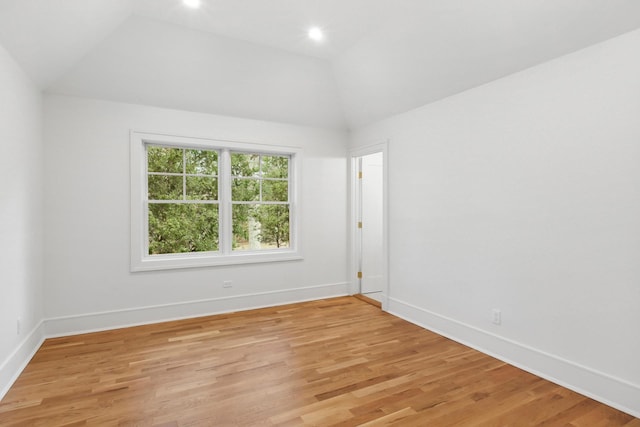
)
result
[(338, 362)]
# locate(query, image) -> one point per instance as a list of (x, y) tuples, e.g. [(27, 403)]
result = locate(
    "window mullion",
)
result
[(260, 176), (226, 223), (184, 174)]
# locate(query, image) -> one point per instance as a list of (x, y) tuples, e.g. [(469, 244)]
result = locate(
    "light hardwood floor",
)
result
[(333, 362)]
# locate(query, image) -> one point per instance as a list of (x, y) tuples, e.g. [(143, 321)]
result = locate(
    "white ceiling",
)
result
[(251, 58), (281, 24), (48, 36)]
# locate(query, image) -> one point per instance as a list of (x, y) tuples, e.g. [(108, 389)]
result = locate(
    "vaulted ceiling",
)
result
[(251, 58)]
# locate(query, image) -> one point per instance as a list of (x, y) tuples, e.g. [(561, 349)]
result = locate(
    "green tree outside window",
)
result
[(260, 199), (182, 189), (183, 200)]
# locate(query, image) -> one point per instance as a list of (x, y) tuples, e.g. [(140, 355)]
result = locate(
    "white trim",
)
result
[(354, 154), (93, 322), (203, 259), (224, 187), (139, 258), (14, 364), (605, 388)]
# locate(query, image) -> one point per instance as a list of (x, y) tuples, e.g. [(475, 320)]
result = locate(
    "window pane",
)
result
[(245, 164), (274, 225), (245, 235), (180, 228), (201, 162), (164, 159), (275, 191), (165, 187), (202, 188), (245, 190), (260, 227), (275, 167)]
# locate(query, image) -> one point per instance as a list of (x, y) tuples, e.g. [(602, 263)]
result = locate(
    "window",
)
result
[(260, 201), (198, 202), (182, 200)]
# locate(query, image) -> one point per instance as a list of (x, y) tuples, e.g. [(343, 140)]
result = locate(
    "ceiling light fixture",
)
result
[(316, 34), (192, 3)]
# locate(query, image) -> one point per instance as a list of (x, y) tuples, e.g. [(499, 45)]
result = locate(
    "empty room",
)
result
[(319, 212)]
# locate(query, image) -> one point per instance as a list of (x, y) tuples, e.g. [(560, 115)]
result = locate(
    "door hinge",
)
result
[(359, 274), (360, 224), (360, 175)]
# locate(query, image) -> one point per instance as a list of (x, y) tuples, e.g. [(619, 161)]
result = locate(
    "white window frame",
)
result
[(140, 258)]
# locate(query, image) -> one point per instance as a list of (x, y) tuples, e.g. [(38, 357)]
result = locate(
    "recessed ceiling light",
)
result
[(192, 3), (316, 34)]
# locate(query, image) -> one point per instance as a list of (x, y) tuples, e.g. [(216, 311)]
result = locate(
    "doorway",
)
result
[(370, 227)]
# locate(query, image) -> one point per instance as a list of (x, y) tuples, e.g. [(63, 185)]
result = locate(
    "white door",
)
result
[(371, 224)]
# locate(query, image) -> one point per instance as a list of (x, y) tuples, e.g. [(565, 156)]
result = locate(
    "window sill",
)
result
[(170, 262)]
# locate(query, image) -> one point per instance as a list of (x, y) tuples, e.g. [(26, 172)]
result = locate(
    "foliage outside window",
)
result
[(260, 199), (210, 204), (183, 200)]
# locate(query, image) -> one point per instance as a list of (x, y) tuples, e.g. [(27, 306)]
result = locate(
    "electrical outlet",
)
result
[(496, 316), (227, 284)]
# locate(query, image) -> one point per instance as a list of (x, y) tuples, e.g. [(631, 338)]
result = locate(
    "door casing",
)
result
[(354, 156)]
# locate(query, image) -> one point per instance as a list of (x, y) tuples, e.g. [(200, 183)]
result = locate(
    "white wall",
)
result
[(21, 220), (524, 195), (88, 219)]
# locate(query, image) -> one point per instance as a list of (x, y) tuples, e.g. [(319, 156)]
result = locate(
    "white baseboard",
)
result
[(612, 391), (13, 365), (93, 322), (600, 386)]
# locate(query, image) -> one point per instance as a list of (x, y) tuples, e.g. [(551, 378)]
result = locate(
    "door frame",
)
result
[(354, 155)]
